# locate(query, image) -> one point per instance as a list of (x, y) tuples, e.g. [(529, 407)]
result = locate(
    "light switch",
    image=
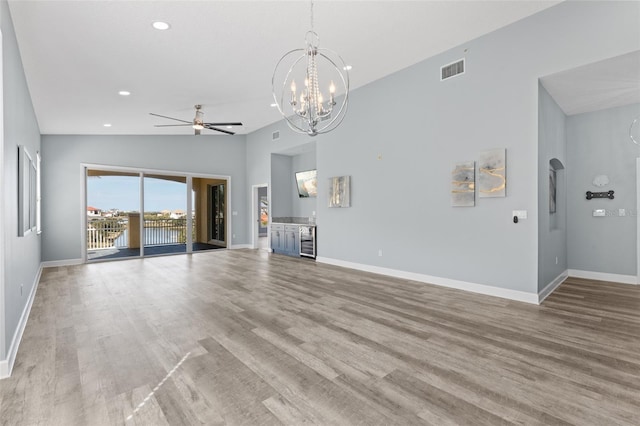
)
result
[(520, 214), (599, 213), (235, 213)]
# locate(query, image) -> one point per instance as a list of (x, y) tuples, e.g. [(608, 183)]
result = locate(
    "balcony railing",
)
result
[(112, 233), (103, 233)]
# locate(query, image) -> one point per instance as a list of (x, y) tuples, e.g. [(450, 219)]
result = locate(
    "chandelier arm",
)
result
[(273, 77)]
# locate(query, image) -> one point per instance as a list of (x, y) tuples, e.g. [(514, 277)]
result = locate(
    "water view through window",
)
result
[(117, 228)]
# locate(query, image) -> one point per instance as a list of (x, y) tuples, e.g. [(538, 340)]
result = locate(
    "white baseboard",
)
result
[(6, 366), (602, 276), (241, 246), (504, 293), (550, 288), (65, 262)]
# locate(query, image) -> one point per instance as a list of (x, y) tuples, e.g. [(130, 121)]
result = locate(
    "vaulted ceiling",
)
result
[(78, 55)]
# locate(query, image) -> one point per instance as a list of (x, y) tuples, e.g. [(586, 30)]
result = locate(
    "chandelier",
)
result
[(308, 110)]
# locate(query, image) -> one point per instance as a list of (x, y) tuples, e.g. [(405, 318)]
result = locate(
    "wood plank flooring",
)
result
[(273, 340)]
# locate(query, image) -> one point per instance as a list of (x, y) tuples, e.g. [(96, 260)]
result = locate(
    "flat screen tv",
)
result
[(307, 183)]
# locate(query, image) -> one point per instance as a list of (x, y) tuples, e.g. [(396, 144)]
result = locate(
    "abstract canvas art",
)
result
[(339, 191), (492, 173), (463, 184)]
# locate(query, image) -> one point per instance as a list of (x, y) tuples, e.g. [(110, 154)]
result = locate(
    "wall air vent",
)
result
[(452, 69), (276, 135)]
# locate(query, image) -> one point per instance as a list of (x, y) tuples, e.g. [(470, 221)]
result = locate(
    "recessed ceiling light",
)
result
[(124, 93), (107, 125), (159, 25), (228, 127), (274, 105), (347, 67)]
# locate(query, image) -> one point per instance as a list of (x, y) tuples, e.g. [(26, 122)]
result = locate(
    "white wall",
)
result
[(420, 126)]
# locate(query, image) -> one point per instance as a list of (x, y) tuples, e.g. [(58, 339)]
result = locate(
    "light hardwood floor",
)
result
[(274, 340)]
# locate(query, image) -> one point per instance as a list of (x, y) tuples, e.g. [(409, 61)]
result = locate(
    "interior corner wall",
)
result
[(598, 143), (552, 227), (21, 254), (62, 177), (282, 182), (403, 133)]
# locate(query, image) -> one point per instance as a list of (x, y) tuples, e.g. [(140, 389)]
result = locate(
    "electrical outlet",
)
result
[(380, 252), (556, 260), (233, 236), (21, 287)]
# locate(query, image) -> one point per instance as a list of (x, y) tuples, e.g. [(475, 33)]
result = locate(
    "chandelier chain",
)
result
[(311, 14)]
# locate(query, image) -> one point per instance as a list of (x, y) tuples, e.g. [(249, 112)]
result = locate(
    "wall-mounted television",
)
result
[(307, 183)]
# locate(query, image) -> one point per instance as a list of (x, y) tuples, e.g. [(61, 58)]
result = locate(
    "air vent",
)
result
[(276, 135), (452, 69)]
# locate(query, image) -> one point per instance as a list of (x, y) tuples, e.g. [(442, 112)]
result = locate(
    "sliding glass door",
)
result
[(165, 214), (113, 214), (132, 214)]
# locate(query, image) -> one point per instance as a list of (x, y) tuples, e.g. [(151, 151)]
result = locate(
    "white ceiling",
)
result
[(77, 55), (605, 84)]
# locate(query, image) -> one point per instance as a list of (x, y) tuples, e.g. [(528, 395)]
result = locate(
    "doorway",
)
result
[(132, 213), (260, 216)]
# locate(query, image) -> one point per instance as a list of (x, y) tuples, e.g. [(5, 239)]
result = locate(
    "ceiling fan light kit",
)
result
[(198, 123), (309, 111)]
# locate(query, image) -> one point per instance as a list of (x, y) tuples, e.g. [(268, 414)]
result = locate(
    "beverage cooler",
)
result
[(308, 241)]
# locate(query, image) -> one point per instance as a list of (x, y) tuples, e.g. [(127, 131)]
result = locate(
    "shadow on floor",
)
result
[(116, 253)]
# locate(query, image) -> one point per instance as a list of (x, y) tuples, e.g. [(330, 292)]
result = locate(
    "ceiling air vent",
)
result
[(275, 135), (452, 69)]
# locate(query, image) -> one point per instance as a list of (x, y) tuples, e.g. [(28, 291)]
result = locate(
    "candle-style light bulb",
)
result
[(332, 91), (293, 93)]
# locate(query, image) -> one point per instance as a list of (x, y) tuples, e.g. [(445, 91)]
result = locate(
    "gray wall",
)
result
[(552, 227), (598, 143), (302, 207), (21, 254), (281, 186), (62, 177), (420, 126)]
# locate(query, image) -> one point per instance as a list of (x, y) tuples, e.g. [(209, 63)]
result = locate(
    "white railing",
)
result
[(103, 233)]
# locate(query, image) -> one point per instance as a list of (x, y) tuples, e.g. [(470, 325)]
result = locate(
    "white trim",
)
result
[(64, 262), (6, 365), (2, 219), (241, 246), (602, 276), (638, 220), (505, 293), (551, 287)]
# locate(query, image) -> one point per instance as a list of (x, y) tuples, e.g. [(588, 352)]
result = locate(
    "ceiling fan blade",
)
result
[(224, 124), (171, 125), (170, 118), (207, 126)]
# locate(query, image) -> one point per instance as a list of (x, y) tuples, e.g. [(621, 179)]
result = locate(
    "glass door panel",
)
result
[(113, 215), (165, 214), (209, 201)]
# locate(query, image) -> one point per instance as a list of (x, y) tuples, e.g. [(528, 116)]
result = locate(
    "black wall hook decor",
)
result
[(606, 194)]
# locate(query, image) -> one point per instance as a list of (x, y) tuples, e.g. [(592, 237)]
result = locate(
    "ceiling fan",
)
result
[(198, 124)]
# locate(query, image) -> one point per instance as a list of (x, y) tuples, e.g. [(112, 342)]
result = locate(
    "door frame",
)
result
[(255, 218), (145, 171)]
